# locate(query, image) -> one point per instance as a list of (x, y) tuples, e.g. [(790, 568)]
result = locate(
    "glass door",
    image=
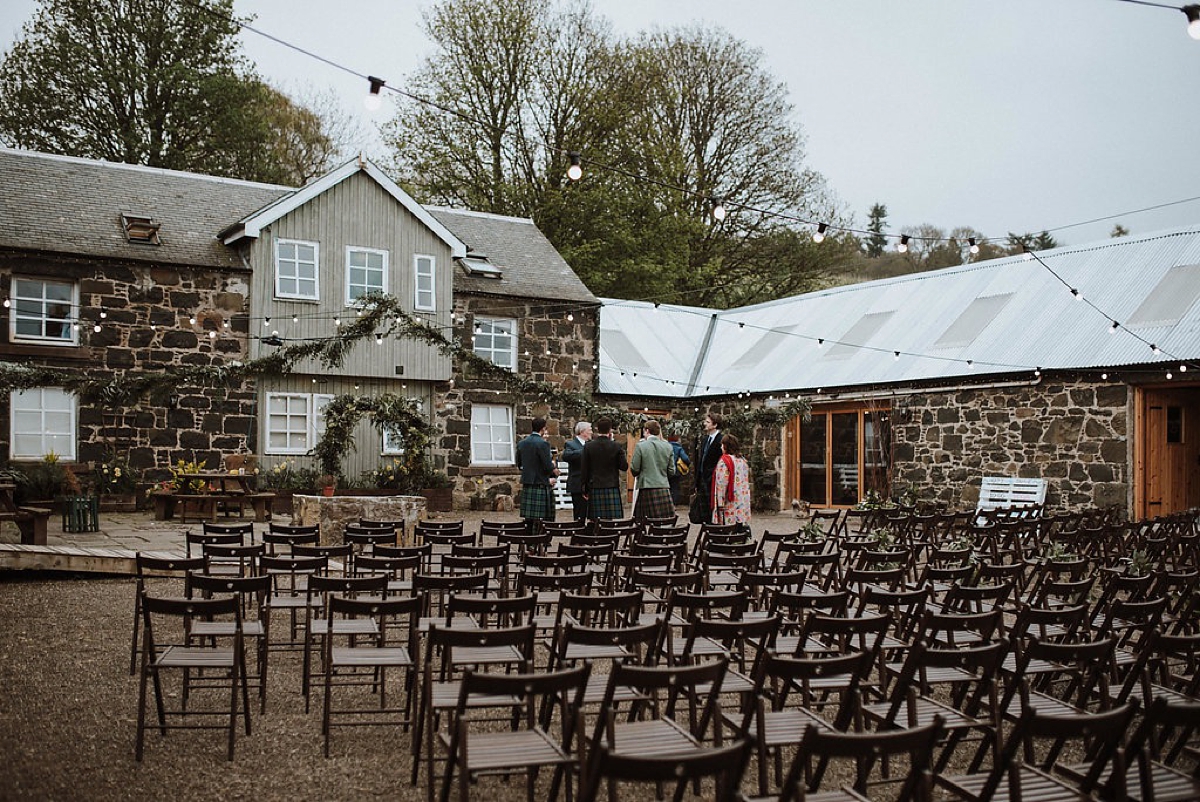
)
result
[(839, 455)]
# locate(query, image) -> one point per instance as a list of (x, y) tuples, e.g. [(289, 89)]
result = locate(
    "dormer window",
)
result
[(140, 228), (477, 264)]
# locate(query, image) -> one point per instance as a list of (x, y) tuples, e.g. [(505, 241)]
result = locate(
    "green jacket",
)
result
[(653, 462)]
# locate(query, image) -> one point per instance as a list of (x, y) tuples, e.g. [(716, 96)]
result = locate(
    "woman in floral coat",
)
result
[(731, 485)]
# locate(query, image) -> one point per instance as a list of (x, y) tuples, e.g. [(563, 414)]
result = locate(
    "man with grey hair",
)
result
[(572, 454)]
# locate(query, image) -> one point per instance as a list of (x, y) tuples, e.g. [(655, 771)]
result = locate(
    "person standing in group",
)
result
[(572, 454), (681, 458), (653, 463), (538, 475), (731, 486), (708, 454), (603, 473)]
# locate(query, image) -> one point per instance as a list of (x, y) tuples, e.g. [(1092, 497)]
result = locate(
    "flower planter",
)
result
[(438, 499), (282, 503), (118, 502)]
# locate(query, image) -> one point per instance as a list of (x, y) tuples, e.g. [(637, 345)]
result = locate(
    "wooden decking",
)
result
[(80, 559)]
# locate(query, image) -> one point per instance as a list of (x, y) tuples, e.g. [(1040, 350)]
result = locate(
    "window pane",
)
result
[(813, 465), (877, 452), (844, 431)]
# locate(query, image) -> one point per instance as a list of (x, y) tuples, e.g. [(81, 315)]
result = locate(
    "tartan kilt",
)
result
[(607, 503), (654, 502), (537, 502)]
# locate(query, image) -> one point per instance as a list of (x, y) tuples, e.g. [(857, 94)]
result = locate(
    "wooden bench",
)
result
[(198, 506), (1011, 492), (262, 505), (31, 522)]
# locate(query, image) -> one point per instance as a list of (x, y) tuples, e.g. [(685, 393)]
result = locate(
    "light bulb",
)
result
[(374, 100), (1076, 294), (819, 235), (7, 303), (212, 335), (1104, 376), (1113, 328), (974, 246), (1182, 368), (103, 312), (902, 245), (96, 328), (1193, 15), (192, 320), (896, 355), (718, 211), (575, 171)]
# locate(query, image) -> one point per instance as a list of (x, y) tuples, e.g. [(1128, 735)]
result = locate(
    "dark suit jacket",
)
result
[(604, 463), (572, 454), (534, 460), (708, 462)]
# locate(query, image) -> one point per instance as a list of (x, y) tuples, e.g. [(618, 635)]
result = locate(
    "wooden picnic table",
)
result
[(223, 490), (31, 521)]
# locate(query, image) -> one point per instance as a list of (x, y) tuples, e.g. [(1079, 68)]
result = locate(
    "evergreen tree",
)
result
[(876, 242)]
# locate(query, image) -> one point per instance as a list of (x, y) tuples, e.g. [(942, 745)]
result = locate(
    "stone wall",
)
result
[(1075, 434), (550, 349), (149, 309)]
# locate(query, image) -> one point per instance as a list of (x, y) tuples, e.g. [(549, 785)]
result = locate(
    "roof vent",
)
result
[(140, 228), (477, 264)]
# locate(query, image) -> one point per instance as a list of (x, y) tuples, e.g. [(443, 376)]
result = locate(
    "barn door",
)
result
[(1170, 450)]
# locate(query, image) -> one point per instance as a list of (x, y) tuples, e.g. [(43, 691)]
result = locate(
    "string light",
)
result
[(820, 342), (103, 312), (1076, 294), (7, 303), (212, 335), (374, 100), (718, 208), (896, 356), (1113, 328), (819, 235), (266, 322), (902, 245), (1193, 18), (378, 339), (192, 320), (295, 318), (96, 328), (575, 171), (1153, 348), (973, 245)]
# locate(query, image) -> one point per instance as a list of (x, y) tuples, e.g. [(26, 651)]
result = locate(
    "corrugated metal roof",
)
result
[(863, 325)]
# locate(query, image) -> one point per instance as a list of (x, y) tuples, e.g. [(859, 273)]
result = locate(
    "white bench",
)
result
[(562, 499), (1001, 492)]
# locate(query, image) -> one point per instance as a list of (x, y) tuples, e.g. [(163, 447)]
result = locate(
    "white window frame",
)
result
[(61, 439), (491, 329), (69, 322), (424, 266), (351, 299), (393, 444), (316, 263), (314, 422), (496, 436)]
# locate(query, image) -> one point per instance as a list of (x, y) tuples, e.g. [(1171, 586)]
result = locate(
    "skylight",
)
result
[(973, 320), (141, 228), (477, 264), (860, 334), (1170, 299), (758, 353)]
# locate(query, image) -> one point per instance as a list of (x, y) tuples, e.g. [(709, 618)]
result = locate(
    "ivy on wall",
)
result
[(379, 316)]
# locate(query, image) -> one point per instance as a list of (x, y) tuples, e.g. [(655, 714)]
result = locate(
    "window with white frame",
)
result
[(366, 272), (393, 441), (43, 311), (295, 421), (495, 340), (41, 421), (296, 267), (491, 435), (423, 271)]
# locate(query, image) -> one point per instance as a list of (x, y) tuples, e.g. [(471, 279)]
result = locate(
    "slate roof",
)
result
[(1006, 316), (62, 204), (532, 267)]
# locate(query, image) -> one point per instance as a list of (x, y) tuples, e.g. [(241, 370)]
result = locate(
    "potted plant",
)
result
[(438, 490), (41, 483), (327, 483), (115, 484)]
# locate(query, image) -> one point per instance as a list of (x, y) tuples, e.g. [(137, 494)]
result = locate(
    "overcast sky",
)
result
[(1018, 115)]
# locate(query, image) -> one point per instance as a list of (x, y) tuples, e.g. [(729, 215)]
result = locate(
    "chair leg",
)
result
[(137, 628), (233, 708), (141, 719)]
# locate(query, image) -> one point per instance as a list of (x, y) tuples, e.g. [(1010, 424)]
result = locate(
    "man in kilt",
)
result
[(653, 464), (538, 473), (603, 467)]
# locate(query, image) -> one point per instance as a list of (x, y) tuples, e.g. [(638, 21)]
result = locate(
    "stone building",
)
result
[(118, 270), (1075, 365)]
